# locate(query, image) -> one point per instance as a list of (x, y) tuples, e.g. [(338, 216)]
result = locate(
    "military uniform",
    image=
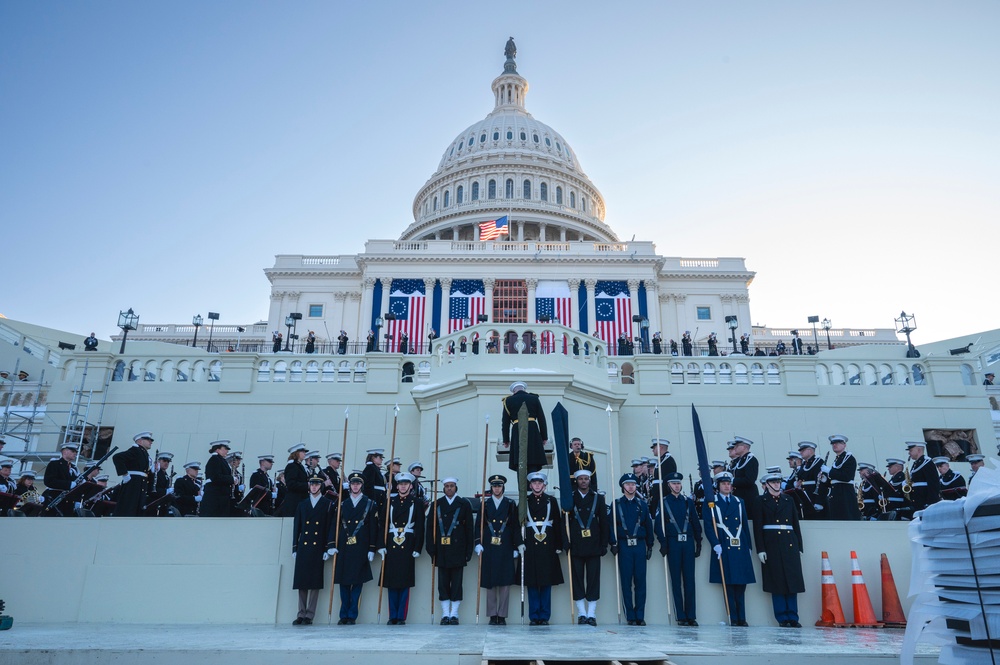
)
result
[(187, 492), (952, 484), (218, 488), (663, 467), (498, 543), (745, 470), (132, 462), (926, 483), (588, 538), (681, 544), (261, 478), (403, 546), (899, 504), (59, 477), (296, 484), (814, 504), (583, 460), (633, 541), (374, 481), (843, 503), (449, 540), (537, 427), (360, 536), (157, 490), (870, 497), (734, 539), (312, 537), (776, 530), (544, 539)]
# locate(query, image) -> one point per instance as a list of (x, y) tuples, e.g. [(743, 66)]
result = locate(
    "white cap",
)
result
[(297, 447), (143, 435), (449, 479), (582, 472), (538, 475), (518, 385), (165, 455), (193, 465)]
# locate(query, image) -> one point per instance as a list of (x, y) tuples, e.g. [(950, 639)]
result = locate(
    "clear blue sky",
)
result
[(157, 155)]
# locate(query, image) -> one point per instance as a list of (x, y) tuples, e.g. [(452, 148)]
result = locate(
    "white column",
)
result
[(337, 316), (532, 284), (591, 306), (364, 315), (488, 283), (541, 233), (442, 325), (520, 231), (428, 312), (652, 307), (633, 296), (574, 304), (562, 234)]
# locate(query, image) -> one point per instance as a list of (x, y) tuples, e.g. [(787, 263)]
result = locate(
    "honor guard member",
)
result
[(732, 547), (26, 483), (296, 481), (235, 459), (718, 466), (779, 548), (648, 476), (187, 490), (898, 503), (332, 473), (360, 536), (813, 507), (543, 544), (579, 459), (160, 485), (952, 484), (538, 433), (681, 545), (312, 544), (262, 478), (133, 465), (871, 496), (498, 545), (588, 538), (976, 462), (632, 546), (745, 469), (926, 486), (60, 476), (416, 470), (663, 464), (450, 539), (218, 487), (374, 487), (843, 504), (406, 539)]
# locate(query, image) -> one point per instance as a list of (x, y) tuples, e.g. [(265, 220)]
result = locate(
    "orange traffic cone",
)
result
[(864, 613), (833, 613), (892, 611)]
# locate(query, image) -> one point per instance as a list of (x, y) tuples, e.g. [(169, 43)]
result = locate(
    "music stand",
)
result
[(249, 503)]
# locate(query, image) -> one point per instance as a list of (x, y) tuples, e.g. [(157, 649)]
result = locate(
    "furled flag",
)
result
[(494, 229), (613, 310), (406, 302), (468, 301), (552, 300)]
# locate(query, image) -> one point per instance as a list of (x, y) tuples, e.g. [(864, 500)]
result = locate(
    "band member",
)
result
[(389, 476), (952, 484), (450, 539), (218, 487), (374, 487), (732, 547), (312, 544), (404, 342), (296, 481), (161, 483), (406, 539), (926, 486), (360, 537), (578, 459), (662, 464), (632, 545), (698, 494), (312, 464), (779, 548), (370, 342), (898, 503), (235, 459), (686, 343), (871, 495), (544, 543), (588, 538), (187, 489), (133, 466), (976, 462), (744, 468), (808, 481), (416, 470), (681, 545), (7, 485), (538, 433), (332, 472), (498, 545), (639, 471), (843, 498), (262, 478)]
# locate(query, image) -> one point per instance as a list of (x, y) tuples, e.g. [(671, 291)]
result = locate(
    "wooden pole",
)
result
[(340, 502), (388, 507), (614, 516), (671, 610), (482, 517), (434, 524)]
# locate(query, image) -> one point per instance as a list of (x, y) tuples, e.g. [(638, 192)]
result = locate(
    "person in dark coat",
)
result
[(342, 342), (60, 476), (187, 490), (679, 532), (686, 343), (450, 538), (632, 545), (262, 478), (732, 547), (657, 343), (133, 466), (276, 342), (404, 343), (843, 504), (952, 484), (538, 433), (498, 545), (871, 492), (661, 465), (579, 459), (744, 468), (779, 548), (543, 544), (296, 481), (814, 503), (402, 547), (332, 472), (235, 459), (218, 488), (588, 538), (374, 487), (923, 476), (160, 485), (312, 544), (360, 537)]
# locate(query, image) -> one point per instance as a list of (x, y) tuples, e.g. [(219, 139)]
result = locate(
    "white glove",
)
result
[(127, 477), (718, 551), (293, 556), (241, 487), (478, 550), (817, 507), (197, 499), (762, 556), (558, 551), (825, 469), (416, 555), (520, 548), (515, 554), (274, 494), (381, 552), (77, 506), (332, 551), (41, 499), (325, 556), (170, 490), (371, 556)]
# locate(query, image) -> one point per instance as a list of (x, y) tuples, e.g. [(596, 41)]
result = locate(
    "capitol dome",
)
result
[(511, 164)]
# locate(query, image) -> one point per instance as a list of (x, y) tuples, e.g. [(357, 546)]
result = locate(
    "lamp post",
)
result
[(644, 334), (814, 320), (239, 331), (289, 322), (197, 323), (389, 316), (733, 324), (127, 321), (907, 323), (827, 324), (379, 322), (213, 317)]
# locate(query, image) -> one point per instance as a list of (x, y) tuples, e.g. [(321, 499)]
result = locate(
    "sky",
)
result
[(157, 155)]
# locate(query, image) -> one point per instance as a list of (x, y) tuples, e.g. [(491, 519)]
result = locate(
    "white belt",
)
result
[(379, 487), (143, 474), (920, 484), (542, 523), (808, 482), (778, 527), (839, 482), (869, 500), (897, 499)]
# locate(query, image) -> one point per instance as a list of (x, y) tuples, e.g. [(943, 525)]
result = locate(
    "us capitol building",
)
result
[(510, 262)]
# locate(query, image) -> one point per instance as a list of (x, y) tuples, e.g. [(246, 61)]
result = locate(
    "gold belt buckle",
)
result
[(540, 536), (734, 542), (446, 540), (495, 540), (585, 533), (399, 539), (352, 540)]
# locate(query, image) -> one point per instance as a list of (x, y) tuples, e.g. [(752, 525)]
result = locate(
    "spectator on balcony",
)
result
[(686, 343), (90, 344), (370, 345), (311, 342), (431, 336), (657, 343), (342, 342), (713, 344), (673, 348), (744, 344), (796, 343), (276, 341), (404, 342), (988, 381)]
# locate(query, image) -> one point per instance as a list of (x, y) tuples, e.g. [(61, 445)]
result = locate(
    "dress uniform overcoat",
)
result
[(262, 479), (680, 544), (776, 530), (736, 559), (374, 487), (360, 534), (59, 477), (132, 495), (185, 491), (745, 470), (456, 523), (406, 536), (500, 535), (216, 500), (314, 531), (633, 535), (543, 537), (296, 488), (843, 494), (584, 461), (665, 466), (537, 429), (808, 473), (926, 483)]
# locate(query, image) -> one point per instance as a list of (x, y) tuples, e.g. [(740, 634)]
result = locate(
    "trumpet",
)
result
[(908, 483)]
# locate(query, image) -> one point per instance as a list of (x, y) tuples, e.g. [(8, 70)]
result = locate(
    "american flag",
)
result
[(468, 301), (614, 313), (494, 229), (552, 299), (406, 302)]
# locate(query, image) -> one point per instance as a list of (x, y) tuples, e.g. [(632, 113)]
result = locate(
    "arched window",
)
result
[(471, 140), (510, 135), (524, 137), (558, 194), (572, 200), (435, 203), (583, 203), (496, 135), (509, 189), (492, 189), (535, 137), (526, 189), (475, 191), (482, 137), (543, 191), (447, 199), (460, 194)]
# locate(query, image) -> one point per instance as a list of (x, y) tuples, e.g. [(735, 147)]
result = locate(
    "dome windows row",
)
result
[(510, 134), (527, 193)]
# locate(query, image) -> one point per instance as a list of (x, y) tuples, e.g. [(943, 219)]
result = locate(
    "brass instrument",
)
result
[(861, 497), (31, 496), (908, 483), (822, 478)]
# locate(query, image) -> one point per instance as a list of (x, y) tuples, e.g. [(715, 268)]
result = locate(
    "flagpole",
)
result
[(671, 610), (709, 487), (614, 517)]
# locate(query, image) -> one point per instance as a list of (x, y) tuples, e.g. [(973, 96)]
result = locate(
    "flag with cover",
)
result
[(613, 310), (406, 303), (468, 301), (552, 300)]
